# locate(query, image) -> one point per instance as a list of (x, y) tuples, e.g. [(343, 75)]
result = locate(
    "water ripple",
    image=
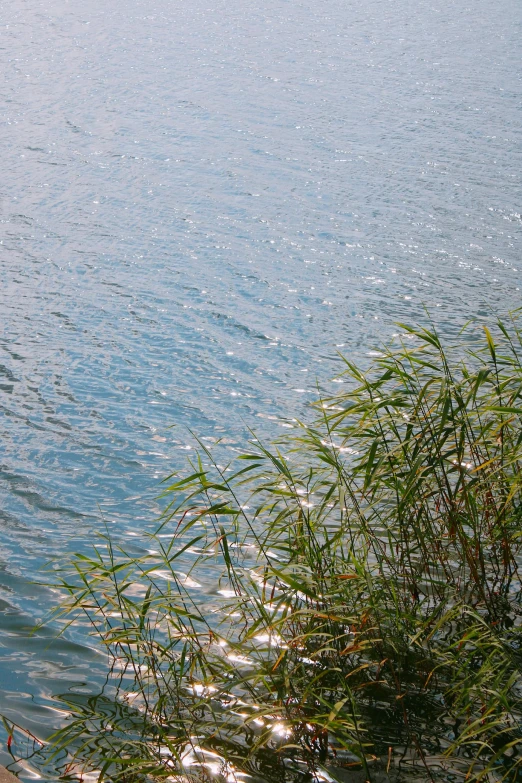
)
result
[(201, 205)]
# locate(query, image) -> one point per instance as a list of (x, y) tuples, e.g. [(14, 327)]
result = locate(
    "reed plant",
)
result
[(367, 621)]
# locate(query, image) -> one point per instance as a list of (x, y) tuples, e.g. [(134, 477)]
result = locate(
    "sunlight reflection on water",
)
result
[(201, 207)]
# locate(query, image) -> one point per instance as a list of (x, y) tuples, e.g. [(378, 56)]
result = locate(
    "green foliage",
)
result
[(369, 617)]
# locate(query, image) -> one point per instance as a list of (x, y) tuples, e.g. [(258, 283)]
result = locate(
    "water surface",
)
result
[(202, 202)]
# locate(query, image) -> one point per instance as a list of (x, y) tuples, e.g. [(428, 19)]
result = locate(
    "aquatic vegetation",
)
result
[(369, 612)]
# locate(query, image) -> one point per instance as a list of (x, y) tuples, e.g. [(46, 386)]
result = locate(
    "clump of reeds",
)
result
[(369, 617)]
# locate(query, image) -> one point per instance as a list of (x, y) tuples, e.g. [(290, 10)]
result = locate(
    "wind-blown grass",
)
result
[(369, 616)]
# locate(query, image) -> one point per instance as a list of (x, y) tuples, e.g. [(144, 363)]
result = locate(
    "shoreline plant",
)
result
[(367, 624)]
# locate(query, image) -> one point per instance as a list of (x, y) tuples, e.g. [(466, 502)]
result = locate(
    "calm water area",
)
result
[(202, 203)]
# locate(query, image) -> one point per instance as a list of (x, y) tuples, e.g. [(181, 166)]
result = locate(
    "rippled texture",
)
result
[(201, 204)]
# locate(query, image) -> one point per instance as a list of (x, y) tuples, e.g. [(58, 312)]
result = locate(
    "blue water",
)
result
[(202, 202)]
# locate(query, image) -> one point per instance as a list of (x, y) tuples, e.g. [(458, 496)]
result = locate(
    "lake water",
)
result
[(202, 202)]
